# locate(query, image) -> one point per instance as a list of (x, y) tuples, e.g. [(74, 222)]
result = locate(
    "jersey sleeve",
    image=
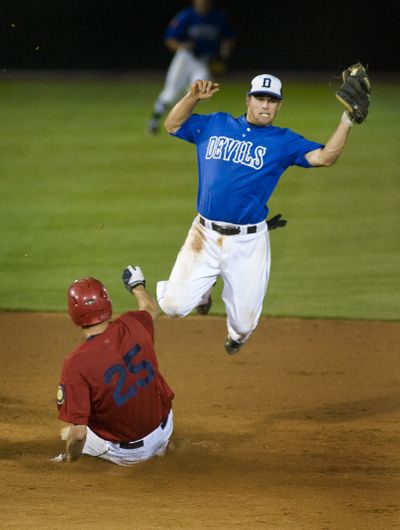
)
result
[(143, 317), (176, 29), (192, 129), (73, 398), (300, 146)]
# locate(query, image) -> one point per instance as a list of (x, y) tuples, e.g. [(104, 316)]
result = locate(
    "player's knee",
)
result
[(171, 311), (173, 307), (245, 324), (173, 300)]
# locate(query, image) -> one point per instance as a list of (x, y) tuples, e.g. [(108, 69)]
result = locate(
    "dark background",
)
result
[(126, 35)]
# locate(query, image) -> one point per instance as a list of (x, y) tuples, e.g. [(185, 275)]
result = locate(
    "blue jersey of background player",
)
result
[(203, 31), (201, 38)]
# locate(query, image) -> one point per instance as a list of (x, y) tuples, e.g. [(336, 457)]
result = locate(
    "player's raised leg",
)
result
[(245, 279), (193, 275)]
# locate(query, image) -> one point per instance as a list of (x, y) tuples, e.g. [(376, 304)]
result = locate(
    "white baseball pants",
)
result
[(242, 261), (154, 444)]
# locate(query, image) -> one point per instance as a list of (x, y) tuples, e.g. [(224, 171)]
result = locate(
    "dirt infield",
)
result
[(300, 430)]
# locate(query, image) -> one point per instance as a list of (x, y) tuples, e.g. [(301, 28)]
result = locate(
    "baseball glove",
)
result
[(217, 66), (354, 92)]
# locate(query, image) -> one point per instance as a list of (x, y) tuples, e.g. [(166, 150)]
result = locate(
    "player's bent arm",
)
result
[(328, 155), (226, 48), (145, 301), (135, 282), (200, 89), (75, 442), (180, 113)]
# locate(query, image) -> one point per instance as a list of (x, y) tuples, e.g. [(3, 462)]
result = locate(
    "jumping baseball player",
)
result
[(202, 39), (240, 162), (111, 392)]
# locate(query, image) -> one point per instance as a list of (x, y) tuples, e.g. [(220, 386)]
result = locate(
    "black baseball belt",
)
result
[(228, 230), (140, 443)]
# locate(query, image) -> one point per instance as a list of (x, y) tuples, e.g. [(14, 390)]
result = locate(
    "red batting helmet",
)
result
[(88, 302)]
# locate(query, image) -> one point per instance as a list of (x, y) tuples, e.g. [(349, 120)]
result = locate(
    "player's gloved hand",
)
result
[(132, 277), (217, 66), (354, 93), (276, 222)]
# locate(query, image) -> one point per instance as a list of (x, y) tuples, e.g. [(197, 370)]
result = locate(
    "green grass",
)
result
[(85, 191)]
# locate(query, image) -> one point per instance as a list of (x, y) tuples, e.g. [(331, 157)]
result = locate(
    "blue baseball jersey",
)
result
[(205, 31), (240, 164)]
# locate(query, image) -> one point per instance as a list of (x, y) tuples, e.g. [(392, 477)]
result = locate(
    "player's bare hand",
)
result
[(186, 45), (203, 89)]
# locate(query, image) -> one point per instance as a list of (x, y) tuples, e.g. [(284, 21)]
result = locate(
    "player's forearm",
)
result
[(180, 113), (174, 45), (334, 147), (226, 48), (75, 442), (145, 301)]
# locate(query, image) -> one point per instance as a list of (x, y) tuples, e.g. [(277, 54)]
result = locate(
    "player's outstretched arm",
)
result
[(145, 301), (200, 89), (135, 282), (333, 148), (354, 95)]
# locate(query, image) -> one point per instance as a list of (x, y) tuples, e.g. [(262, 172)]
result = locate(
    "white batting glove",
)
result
[(62, 457), (132, 277)]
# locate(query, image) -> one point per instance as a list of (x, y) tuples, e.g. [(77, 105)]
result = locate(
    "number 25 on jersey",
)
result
[(122, 372)]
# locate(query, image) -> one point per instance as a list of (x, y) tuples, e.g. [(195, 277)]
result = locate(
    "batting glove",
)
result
[(276, 222), (132, 277), (62, 457)]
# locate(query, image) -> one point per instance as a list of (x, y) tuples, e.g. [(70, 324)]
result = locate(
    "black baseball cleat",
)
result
[(153, 126), (232, 346), (204, 309)]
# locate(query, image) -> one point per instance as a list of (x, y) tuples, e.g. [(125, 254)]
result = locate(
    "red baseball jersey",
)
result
[(111, 382)]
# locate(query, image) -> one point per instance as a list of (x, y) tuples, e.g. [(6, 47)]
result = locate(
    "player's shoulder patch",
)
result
[(60, 395)]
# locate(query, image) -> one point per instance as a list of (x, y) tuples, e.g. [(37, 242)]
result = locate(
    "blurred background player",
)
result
[(202, 39), (111, 392)]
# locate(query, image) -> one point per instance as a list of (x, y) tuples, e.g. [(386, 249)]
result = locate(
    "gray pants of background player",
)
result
[(182, 72)]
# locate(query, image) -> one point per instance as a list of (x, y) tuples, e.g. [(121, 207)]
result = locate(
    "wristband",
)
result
[(346, 119)]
